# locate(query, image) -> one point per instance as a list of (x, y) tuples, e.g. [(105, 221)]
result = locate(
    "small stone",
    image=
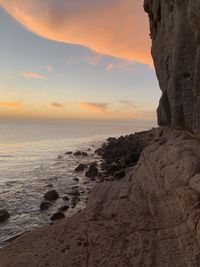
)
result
[(65, 198), (45, 205), (51, 195), (119, 175), (77, 153), (63, 208), (4, 215), (81, 167), (69, 153), (57, 216)]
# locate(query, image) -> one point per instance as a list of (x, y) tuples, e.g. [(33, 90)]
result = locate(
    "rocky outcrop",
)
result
[(149, 218), (175, 34)]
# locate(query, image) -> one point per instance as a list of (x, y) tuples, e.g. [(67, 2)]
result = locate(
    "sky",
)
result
[(70, 59)]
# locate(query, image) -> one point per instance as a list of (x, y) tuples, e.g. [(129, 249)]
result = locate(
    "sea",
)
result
[(34, 159)]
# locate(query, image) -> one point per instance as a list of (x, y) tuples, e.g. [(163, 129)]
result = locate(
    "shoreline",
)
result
[(127, 221), (103, 174)]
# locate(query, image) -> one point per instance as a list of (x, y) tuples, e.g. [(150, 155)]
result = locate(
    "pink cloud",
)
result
[(91, 106), (32, 75), (113, 27)]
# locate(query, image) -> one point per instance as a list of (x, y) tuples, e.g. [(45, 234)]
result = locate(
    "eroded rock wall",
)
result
[(175, 34)]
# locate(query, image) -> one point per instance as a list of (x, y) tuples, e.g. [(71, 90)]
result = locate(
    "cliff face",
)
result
[(175, 33)]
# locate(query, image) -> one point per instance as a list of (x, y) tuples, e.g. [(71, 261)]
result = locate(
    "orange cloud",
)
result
[(10, 104), (113, 27), (96, 107), (57, 105), (32, 75)]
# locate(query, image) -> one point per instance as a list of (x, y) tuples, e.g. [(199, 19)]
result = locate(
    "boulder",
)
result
[(77, 153), (81, 167), (45, 205), (92, 171), (63, 208), (57, 216), (51, 195), (4, 215)]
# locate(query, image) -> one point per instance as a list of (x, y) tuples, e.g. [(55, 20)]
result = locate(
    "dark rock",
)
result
[(74, 192), (65, 198), (75, 199), (81, 167), (51, 195), (119, 175), (45, 205), (4, 215), (69, 153), (77, 153), (84, 154), (76, 179), (57, 216), (63, 208), (92, 171)]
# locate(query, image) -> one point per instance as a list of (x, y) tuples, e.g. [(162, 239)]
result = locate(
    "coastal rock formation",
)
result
[(149, 218), (175, 34)]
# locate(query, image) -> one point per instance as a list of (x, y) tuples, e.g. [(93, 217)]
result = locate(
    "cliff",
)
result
[(175, 34)]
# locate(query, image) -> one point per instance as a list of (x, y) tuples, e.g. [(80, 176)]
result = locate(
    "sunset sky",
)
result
[(76, 59)]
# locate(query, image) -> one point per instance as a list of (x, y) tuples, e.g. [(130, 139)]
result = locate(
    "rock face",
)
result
[(149, 218), (175, 33)]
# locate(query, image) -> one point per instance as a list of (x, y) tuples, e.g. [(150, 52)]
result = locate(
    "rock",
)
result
[(51, 195), (4, 215), (92, 172), (65, 198), (119, 175), (175, 31), (76, 179), (84, 154), (75, 199), (77, 153), (81, 167), (74, 192), (57, 216), (69, 153), (45, 205), (63, 208)]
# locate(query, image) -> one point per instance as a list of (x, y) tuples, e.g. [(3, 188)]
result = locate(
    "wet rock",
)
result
[(119, 175), (92, 171), (81, 167), (4, 215), (45, 205), (51, 195), (63, 208), (65, 198), (57, 216), (77, 153), (75, 199), (74, 192), (69, 153)]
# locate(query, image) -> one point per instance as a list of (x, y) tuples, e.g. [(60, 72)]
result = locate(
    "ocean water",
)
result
[(33, 161)]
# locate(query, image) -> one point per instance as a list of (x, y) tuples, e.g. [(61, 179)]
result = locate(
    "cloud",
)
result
[(10, 104), (91, 106), (113, 27), (128, 104), (32, 75), (57, 105), (49, 68)]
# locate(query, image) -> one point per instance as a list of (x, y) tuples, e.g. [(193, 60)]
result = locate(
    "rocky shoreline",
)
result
[(115, 158), (139, 220)]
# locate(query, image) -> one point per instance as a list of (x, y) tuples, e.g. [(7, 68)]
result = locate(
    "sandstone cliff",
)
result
[(175, 33)]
